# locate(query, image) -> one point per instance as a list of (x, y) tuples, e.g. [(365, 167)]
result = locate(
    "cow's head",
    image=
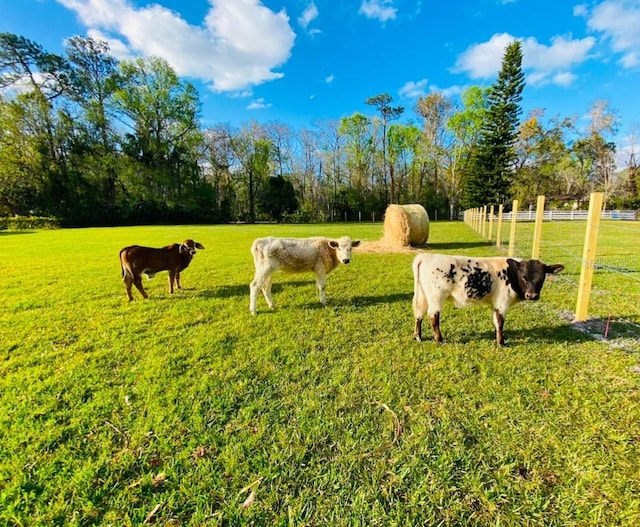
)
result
[(343, 247), (526, 277), (190, 247)]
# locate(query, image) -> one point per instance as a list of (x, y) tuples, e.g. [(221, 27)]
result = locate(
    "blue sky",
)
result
[(297, 61)]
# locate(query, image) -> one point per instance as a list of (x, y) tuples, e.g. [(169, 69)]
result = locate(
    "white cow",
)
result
[(319, 255), (498, 281)]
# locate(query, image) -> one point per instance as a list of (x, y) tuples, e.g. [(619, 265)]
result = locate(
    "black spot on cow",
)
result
[(478, 284), (450, 275)]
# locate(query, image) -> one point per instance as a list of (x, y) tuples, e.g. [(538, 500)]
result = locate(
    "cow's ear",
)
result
[(355, 244), (199, 246), (333, 244), (553, 269), (514, 265)]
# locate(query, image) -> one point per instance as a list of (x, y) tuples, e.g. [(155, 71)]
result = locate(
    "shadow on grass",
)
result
[(539, 335), (9, 233), (382, 299), (236, 290), (452, 246)]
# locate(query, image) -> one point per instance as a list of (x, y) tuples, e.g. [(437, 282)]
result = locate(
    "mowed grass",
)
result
[(186, 410)]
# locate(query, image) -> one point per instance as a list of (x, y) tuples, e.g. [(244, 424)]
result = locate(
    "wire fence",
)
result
[(614, 291)]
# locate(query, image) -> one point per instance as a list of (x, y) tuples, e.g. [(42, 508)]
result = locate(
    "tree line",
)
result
[(92, 140)]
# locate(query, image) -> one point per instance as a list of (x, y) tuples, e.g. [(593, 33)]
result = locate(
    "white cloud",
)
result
[(543, 64), (417, 89), (329, 79), (564, 78), (619, 21), (413, 90), (258, 104), (238, 45), (308, 15), (381, 10), (117, 47), (450, 91), (580, 10)]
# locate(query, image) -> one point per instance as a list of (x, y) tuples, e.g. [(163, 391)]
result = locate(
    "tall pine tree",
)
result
[(488, 179)]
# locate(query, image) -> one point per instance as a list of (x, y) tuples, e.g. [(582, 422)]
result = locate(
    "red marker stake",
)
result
[(606, 329)]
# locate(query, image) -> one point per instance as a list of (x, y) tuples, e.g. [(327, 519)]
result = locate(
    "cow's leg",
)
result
[(321, 282), (417, 330), (128, 282), (178, 280), (172, 278), (498, 321), (435, 326), (420, 307), (266, 291), (261, 281), (435, 301), (137, 281)]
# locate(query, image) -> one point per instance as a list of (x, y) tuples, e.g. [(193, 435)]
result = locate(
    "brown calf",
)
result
[(136, 260)]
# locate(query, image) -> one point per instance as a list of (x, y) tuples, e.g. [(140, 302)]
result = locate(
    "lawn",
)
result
[(185, 410)]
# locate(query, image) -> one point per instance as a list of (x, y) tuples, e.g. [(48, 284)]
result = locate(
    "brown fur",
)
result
[(136, 260)]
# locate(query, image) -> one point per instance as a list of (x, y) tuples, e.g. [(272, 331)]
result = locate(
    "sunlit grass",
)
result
[(180, 409)]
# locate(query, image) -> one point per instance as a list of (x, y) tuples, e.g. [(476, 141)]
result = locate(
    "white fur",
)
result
[(317, 255)]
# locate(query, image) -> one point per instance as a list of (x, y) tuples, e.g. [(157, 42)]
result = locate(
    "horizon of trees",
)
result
[(92, 140)]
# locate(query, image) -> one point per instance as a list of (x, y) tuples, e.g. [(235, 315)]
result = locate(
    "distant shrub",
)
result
[(21, 223)]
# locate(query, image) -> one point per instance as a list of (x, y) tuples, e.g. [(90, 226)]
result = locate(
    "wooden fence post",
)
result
[(512, 234), (484, 221), (537, 230), (491, 210), (499, 233), (589, 255)]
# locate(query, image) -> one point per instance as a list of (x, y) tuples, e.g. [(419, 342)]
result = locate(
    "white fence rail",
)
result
[(560, 215)]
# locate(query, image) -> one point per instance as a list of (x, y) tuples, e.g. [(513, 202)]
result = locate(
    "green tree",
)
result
[(491, 172), (435, 110), (382, 103), (95, 80), (21, 180), (163, 113), (404, 160), (38, 79), (254, 154), (357, 148), (541, 149), (278, 197), (465, 125)]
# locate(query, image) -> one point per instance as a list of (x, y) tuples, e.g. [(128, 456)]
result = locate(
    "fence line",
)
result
[(479, 219), (568, 215)]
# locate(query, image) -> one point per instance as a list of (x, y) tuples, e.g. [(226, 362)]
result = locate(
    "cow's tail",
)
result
[(420, 304), (124, 263)]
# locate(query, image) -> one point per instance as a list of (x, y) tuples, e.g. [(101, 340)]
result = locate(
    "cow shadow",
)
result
[(241, 290), (225, 291), (538, 335), (364, 301)]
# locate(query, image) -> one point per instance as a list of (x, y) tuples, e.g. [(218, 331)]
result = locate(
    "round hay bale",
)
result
[(406, 225)]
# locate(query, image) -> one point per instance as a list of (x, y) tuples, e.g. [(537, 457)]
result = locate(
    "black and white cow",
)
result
[(498, 281)]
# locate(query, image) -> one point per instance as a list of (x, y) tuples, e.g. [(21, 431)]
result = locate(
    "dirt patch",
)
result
[(617, 333), (383, 246)]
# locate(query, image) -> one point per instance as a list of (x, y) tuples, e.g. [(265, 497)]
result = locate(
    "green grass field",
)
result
[(186, 410)]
